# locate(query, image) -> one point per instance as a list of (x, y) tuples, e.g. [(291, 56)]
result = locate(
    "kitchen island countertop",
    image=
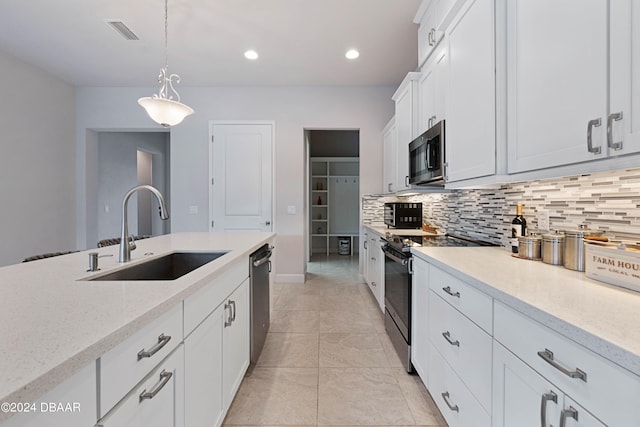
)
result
[(601, 317), (53, 323)]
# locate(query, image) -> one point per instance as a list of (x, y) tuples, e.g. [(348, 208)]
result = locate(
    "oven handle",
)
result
[(396, 258)]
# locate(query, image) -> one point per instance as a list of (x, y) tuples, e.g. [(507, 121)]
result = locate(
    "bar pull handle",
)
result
[(546, 397), (592, 123), (613, 117), (162, 341), (450, 292), (447, 336), (233, 309), (568, 413), (229, 321), (164, 379), (547, 356), (445, 396)]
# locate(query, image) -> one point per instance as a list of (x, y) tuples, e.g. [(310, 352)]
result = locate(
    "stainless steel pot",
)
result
[(529, 247), (552, 248), (573, 255)]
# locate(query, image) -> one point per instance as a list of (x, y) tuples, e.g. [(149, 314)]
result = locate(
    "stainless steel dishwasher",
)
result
[(260, 267)]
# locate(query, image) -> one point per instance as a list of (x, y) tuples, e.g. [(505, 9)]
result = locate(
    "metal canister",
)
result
[(552, 248), (529, 247), (573, 254)]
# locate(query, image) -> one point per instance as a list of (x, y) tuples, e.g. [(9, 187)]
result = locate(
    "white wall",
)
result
[(37, 162), (293, 109)]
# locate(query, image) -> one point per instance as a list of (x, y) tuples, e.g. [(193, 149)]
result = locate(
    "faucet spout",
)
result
[(125, 248)]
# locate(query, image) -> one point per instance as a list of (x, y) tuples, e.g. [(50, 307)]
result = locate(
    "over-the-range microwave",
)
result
[(426, 157)]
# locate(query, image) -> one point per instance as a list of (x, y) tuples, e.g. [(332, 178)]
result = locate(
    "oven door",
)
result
[(397, 289)]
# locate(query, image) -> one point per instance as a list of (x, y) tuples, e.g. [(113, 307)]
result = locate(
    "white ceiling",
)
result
[(300, 42)]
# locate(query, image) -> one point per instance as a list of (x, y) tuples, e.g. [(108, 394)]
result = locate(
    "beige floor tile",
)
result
[(289, 350), (421, 405), (276, 396), (351, 350), (297, 302), (351, 303), (361, 396), (346, 321), (295, 321)]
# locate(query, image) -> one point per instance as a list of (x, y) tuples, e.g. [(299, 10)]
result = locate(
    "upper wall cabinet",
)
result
[(570, 96), (433, 16), (406, 123), (390, 152), (432, 88), (471, 102)]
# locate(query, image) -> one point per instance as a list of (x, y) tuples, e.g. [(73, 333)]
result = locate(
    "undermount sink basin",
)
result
[(167, 267)]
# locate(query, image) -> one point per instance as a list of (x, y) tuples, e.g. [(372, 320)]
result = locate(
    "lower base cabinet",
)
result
[(420, 318), (156, 401), (523, 398), (216, 359)]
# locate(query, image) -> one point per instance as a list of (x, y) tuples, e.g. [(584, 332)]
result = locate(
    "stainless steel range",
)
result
[(397, 289)]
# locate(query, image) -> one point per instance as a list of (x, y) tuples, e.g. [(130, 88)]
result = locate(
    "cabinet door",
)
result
[(365, 257), (470, 129), (625, 77), (235, 344), (427, 97), (390, 153), (203, 372), (420, 318), (557, 81), (405, 134), (576, 416), (521, 397), (157, 401)]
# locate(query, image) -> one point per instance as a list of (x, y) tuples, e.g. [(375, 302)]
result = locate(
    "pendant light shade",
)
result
[(162, 107)]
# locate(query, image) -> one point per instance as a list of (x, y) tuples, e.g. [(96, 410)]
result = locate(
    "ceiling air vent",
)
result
[(122, 29)]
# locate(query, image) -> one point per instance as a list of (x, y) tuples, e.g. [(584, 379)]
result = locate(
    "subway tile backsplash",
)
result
[(602, 201)]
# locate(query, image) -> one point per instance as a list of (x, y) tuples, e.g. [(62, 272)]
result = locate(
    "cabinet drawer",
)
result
[(464, 346), (199, 305), (124, 366), (607, 390), (157, 401), (455, 401), (471, 302)]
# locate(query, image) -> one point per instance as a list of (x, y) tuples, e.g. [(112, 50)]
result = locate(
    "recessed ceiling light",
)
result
[(251, 54), (352, 54)]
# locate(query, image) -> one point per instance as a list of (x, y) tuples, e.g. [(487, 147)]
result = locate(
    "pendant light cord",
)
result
[(166, 25)]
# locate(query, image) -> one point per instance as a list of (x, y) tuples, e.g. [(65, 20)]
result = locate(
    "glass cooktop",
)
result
[(405, 243)]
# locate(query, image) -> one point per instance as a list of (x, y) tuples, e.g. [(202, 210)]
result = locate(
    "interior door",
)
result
[(241, 176)]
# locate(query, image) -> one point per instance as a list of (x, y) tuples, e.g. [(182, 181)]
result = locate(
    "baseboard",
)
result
[(289, 278)]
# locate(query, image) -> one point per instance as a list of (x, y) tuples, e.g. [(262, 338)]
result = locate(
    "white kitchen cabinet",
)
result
[(375, 268), (471, 100), (602, 388), (77, 395), (432, 88), (156, 401), (428, 32), (523, 398), (203, 371), (236, 342), (365, 256), (216, 359), (390, 148), (420, 318), (406, 123)]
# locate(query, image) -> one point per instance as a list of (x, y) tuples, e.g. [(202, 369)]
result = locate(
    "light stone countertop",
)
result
[(601, 317), (381, 231), (52, 324)]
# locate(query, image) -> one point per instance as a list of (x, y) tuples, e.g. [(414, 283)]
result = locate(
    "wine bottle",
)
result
[(518, 228)]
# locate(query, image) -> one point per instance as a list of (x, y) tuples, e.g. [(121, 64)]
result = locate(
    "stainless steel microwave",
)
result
[(426, 156)]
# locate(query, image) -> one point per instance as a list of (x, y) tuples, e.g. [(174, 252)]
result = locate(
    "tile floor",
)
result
[(327, 360)]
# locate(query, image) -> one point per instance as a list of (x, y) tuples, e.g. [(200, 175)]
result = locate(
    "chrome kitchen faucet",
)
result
[(125, 245)]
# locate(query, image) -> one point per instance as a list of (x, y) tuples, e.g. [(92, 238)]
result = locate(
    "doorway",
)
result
[(333, 194)]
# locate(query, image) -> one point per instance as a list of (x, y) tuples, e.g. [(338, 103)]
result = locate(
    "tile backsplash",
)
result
[(608, 201)]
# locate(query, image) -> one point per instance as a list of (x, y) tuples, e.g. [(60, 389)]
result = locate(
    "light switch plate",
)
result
[(291, 210), (193, 210)]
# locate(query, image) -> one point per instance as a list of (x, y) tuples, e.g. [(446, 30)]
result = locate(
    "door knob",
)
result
[(267, 223)]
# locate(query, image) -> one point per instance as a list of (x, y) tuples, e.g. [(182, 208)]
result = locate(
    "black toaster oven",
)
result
[(403, 215)]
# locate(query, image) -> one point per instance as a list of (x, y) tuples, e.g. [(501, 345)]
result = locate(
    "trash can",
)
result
[(344, 246)]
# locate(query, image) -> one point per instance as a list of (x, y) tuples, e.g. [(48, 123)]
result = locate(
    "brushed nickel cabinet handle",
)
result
[(546, 397), (233, 308), (162, 341), (229, 321), (164, 379), (450, 292), (590, 125), (547, 356), (445, 396), (447, 336), (613, 117), (568, 413)]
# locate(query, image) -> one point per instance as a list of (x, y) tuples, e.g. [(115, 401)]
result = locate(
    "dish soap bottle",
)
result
[(518, 228)]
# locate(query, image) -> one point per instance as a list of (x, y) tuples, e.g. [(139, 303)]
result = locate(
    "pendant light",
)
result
[(162, 107)]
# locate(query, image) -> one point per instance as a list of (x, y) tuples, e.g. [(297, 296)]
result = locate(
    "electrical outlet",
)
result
[(543, 220)]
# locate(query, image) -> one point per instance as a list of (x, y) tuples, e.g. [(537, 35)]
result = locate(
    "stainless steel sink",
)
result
[(167, 267)]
